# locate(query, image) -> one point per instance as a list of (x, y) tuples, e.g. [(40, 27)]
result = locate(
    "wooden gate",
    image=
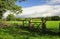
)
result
[(31, 23)]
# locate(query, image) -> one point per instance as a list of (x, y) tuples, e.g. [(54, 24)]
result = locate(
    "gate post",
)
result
[(30, 25), (44, 25), (23, 22), (59, 27)]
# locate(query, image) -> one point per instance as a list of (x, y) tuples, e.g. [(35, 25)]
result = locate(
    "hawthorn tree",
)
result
[(9, 5)]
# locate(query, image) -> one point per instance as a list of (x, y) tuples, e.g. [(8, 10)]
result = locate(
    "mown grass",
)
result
[(53, 25)]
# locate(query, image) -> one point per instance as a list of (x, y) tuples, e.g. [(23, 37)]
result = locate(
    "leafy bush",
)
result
[(11, 17)]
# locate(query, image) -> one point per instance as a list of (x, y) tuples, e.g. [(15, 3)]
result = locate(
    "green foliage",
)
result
[(18, 33), (9, 5), (49, 24), (4, 19), (15, 32), (54, 18), (11, 17), (18, 19)]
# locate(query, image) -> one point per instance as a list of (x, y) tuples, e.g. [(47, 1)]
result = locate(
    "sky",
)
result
[(30, 3), (39, 8)]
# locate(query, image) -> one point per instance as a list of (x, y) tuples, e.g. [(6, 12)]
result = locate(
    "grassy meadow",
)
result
[(13, 32), (49, 24)]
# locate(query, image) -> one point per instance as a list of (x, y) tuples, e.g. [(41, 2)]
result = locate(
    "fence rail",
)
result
[(29, 22)]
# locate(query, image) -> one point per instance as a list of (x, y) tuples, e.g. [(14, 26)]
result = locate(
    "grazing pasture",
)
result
[(13, 32), (49, 24)]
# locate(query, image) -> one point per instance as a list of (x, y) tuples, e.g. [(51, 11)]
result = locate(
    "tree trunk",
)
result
[(1, 14)]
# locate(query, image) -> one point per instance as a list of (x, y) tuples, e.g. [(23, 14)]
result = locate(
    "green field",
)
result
[(18, 33), (49, 24), (53, 25)]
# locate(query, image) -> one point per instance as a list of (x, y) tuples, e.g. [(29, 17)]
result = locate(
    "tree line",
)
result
[(11, 17)]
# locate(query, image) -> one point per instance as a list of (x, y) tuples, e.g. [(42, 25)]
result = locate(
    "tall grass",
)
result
[(18, 33)]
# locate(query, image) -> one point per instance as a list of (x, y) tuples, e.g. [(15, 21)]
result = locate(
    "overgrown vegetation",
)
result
[(16, 30)]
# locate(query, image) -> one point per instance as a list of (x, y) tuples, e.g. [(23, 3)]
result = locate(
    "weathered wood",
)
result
[(35, 22), (30, 25), (43, 24), (59, 27)]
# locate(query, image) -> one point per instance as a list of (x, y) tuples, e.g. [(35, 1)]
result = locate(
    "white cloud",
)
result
[(6, 13), (41, 11), (54, 2)]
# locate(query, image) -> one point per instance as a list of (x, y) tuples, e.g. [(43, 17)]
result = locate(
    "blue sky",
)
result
[(29, 3)]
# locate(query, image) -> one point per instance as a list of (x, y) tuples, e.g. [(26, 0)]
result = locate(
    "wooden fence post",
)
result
[(23, 22), (30, 25), (59, 27), (43, 24)]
